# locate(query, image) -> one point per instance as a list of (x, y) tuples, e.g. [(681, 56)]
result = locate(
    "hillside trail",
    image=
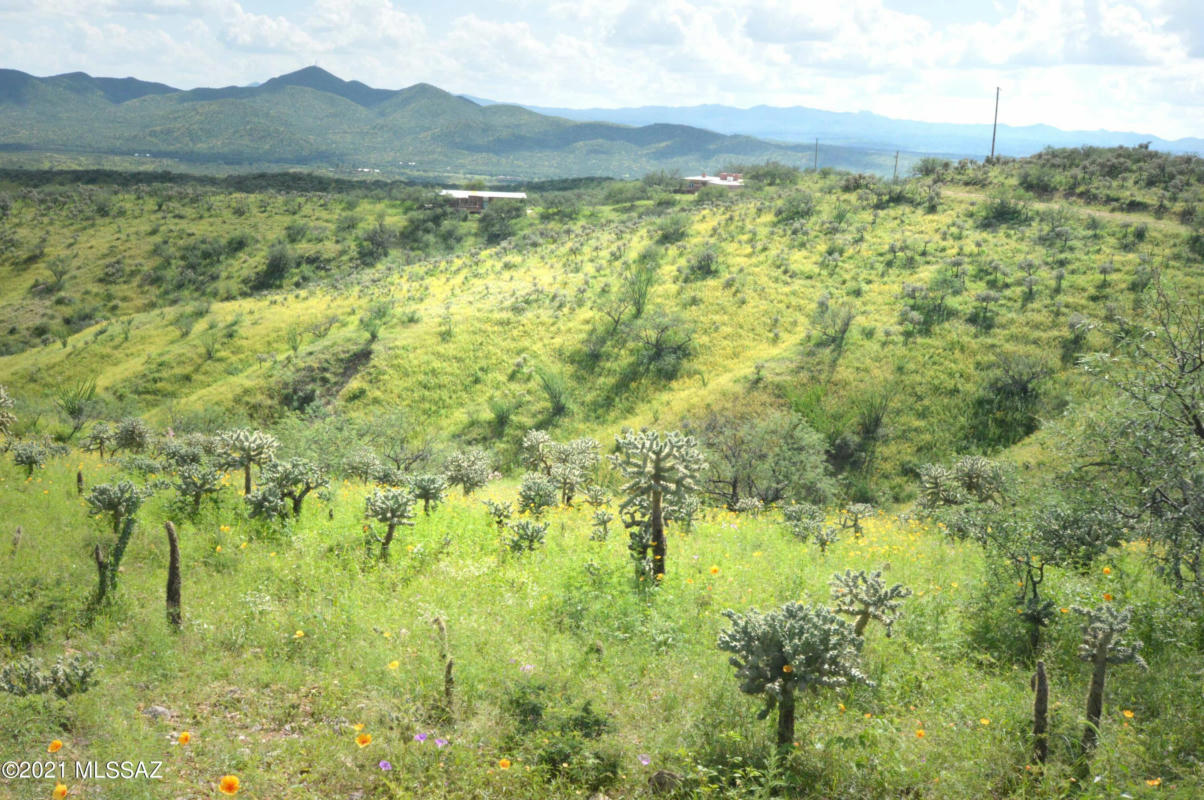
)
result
[(1116, 216)]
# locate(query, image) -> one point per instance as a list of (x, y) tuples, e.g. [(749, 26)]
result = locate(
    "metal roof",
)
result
[(460, 194)]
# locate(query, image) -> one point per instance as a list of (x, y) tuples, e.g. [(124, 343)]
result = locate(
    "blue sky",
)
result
[(1083, 64)]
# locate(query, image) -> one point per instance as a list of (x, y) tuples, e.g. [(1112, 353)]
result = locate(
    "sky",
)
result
[(1126, 65)]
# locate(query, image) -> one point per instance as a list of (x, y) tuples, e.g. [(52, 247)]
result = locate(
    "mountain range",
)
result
[(311, 118)]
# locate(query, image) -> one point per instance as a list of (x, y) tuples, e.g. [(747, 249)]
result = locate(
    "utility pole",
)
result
[(895, 176), (816, 167), (995, 124)]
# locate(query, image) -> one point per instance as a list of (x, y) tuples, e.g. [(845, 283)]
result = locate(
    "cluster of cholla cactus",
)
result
[(569, 465), (243, 449), (525, 535), (659, 470), (284, 485), (865, 597), (393, 508), (851, 517), (596, 495), (131, 434), (469, 469), (430, 488), (806, 521), (780, 653), (1103, 645), (970, 479), (536, 493), (119, 502), (195, 482), (7, 418), (67, 676), (29, 455)]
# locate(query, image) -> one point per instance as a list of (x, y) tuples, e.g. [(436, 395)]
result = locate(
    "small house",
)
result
[(727, 180), (474, 202)]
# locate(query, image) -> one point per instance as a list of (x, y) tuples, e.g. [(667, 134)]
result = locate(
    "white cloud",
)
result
[(1122, 64)]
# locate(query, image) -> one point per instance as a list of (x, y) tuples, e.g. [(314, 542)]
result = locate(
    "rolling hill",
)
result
[(311, 118)]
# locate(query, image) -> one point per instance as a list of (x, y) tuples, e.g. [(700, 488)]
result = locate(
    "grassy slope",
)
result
[(238, 669), (278, 709)]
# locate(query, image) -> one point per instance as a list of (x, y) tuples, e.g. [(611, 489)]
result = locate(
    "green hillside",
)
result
[(313, 119), (879, 375)]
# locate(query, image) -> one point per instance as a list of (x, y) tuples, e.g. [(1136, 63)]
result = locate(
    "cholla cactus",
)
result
[(66, 677), (393, 507), (596, 496), (1102, 645), (568, 465), (601, 526), (100, 437), (749, 505), (30, 455), (536, 492), (500, 512), (131, 434), (241, 449), (293, 480), (781, 652), (194, 482), (430, 489), (982, 478), (469, 469), (852, 515), (180, 453), (658, 469), (825, 537), (866, 597), (120, 501), (537, 451), (525, 535), (365, 465), (7, 418), (938, 487), (803, 520)]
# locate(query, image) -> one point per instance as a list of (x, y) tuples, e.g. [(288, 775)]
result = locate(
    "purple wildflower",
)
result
[(527, 667), (644, 759), (420, 737), (385, 765), (440, 742)]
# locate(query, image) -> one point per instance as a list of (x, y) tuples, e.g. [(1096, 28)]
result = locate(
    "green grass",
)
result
[(277, 708)]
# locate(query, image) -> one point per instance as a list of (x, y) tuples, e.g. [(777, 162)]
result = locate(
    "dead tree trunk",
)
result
[(173, 576)]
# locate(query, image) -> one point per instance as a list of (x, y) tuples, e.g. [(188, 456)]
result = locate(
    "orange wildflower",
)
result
[(229, 784)]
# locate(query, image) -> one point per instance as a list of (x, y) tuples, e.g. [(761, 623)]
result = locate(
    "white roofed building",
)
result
[(474, 201), (727, 180)]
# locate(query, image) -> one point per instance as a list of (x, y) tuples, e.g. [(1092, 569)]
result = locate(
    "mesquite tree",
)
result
[(393, 507), (866, 597), (241, 449), (1102, 645), (782, 652), (120, 502), (658, 468)]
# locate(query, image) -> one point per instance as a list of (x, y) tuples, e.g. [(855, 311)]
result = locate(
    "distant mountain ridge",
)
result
[(865, 129), (311, 118)]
